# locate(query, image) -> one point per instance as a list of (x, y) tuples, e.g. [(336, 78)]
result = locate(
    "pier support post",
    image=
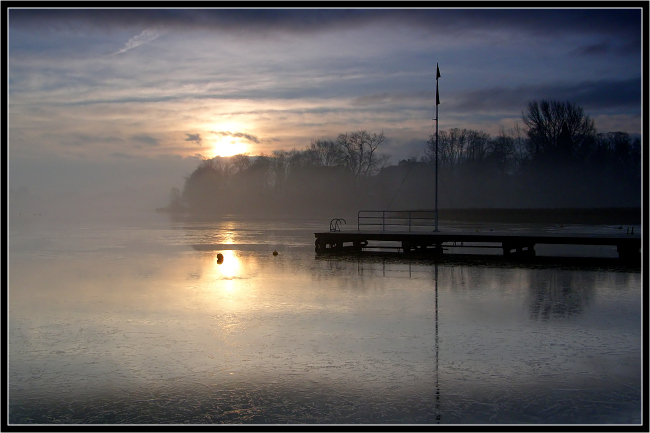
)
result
[(320, 245), (360, 245), (628, 253)]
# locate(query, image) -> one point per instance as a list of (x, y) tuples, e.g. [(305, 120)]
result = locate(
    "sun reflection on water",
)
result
[(227, 267), (228, 234)]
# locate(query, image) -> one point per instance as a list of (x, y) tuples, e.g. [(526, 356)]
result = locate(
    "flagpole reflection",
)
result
[(436, 344)]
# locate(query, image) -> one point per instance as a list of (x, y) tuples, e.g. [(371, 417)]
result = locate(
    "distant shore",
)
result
[(551, 216), (613, 216)]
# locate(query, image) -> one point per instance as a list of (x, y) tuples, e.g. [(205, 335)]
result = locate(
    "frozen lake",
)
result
[(132, 323)]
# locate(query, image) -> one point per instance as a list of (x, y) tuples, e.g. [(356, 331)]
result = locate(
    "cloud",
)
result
[(593, 49), (143, 38), (194, 137), (247, 20), (383, 99), (79, 139), (145, 139), (599, 94), (249, 137), (630, 46), (453, 22), (121, 155)]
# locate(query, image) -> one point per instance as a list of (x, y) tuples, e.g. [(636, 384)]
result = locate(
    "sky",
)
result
[(106, 105)]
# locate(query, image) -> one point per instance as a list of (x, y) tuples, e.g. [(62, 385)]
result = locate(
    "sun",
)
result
[(228, 138), (228, 146)]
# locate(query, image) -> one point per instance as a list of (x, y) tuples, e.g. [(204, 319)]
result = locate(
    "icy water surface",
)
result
[(142, 323)]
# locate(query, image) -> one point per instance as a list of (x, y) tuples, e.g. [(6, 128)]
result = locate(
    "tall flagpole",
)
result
[(437, 103)]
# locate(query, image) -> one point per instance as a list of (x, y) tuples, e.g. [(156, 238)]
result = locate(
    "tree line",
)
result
[(555, 159)]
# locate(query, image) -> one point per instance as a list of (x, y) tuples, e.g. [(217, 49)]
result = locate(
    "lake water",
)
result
[(140, 323)]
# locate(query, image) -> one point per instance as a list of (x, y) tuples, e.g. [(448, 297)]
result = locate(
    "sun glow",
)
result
[(228, 138), (228, 146)]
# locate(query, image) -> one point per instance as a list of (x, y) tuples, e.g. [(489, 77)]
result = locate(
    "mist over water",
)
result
[(139, 321)]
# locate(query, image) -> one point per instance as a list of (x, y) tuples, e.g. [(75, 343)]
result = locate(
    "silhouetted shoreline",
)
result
[(611, 216)]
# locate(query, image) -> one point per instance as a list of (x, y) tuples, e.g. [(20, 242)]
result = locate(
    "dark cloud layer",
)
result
[(603, 48), (589, 94), (261, 21)]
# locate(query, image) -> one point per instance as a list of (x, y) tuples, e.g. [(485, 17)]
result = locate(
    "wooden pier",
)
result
[(409, 232)]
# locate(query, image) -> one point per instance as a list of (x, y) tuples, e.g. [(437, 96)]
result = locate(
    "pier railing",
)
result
[(397, 220)]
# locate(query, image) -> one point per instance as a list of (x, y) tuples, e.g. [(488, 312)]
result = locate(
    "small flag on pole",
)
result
[(438, 69), (437, 95)]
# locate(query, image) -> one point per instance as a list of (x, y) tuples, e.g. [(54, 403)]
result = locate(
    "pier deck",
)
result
[(519, 243)]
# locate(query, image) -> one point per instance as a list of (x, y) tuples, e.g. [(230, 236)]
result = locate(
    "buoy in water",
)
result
[(219, 258), (275, 253)]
